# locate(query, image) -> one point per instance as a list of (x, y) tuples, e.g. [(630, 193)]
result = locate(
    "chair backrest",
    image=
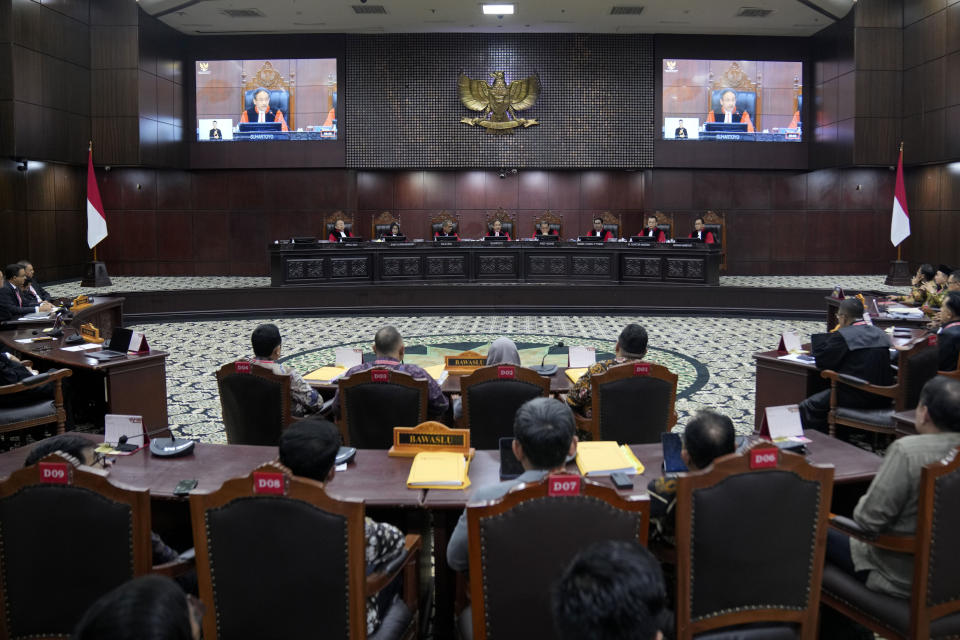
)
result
[(665, 223), (374, 401), (380, 226), (330, 223), (436, 223), (757, 520), (506, 222), (749, 98), (555, 222), (916, 364), (936, 569), (521, 544), (633, 403), (278, 558), (282, 90), (255, 403), (68, 537), (491, 397)]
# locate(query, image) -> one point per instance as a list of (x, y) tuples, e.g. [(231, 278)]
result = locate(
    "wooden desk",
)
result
[(559, 383), (133, 385), (882, 320), (105, 313)]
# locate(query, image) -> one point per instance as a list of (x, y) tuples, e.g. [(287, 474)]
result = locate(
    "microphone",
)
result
[(547, 370), (161, 447), (122, 442)]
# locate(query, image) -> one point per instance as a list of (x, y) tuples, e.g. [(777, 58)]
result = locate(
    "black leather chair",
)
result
[(255, 402), (330, 225), (632, 403), (746, 101), (382, 223), (491, 397), (751, 541), (374, 401), (278, 558), (65, 545), (279, 101), (33, 412), (436, 224), (933, 610), (521, 544)]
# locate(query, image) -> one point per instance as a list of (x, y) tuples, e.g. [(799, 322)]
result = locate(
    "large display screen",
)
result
[(266, 100), (741, 100)]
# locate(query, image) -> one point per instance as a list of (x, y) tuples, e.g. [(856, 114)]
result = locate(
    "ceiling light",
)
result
[(498, 9)]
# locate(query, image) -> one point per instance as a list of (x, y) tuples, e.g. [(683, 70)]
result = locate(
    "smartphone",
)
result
[(510, 467), (672, 448), (621, 481), (184, 487)]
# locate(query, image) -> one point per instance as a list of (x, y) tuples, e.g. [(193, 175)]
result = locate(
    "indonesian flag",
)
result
[(900, 222), (96, 220)]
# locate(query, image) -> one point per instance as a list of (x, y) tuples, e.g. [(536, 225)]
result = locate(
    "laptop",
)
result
[(117, 348)]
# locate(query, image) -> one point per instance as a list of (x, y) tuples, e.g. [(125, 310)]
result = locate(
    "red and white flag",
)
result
[(96, 219), (900, 222)]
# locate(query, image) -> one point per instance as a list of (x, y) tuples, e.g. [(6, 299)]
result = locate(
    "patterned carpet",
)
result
[(712, 356)]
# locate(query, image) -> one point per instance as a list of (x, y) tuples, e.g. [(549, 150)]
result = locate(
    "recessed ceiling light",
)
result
[(498, 9)]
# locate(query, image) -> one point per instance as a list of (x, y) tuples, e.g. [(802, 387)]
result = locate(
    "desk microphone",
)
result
[(160, 447), (547, 370)]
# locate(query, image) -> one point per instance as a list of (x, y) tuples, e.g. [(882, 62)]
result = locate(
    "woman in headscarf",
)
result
[(502, 351)]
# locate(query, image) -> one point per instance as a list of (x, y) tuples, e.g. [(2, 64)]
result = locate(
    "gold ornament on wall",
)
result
[(498, 101)]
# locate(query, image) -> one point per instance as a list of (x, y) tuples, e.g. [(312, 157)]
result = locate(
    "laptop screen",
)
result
[(120, 340)]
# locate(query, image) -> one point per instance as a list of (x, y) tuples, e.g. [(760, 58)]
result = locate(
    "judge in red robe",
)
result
[(446, 230), (728, 111), (339, 232), (261, 111), (497, 231), (653, 231), (599, 232), (545, 230), (700, 232)]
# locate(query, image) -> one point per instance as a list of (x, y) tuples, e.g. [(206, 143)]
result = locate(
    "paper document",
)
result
[(325, 374), (438, 470), (798, 357), (437, 372), (603, 458), (348, 358), (575, 374), (118, 425), (581, 356), (83, 347)]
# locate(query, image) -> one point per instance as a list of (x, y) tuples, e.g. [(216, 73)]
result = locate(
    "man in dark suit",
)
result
[(11, 300), (948, 339), (32, 286), (856, 349), (215, 132), (680, 131)]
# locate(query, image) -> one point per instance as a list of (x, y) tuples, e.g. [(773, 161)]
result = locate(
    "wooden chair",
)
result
[(436, 222), (381, 223), (933, 609), (747, 554), (282, 91), (507, 224), (330, 223), (255, 402), (716, 223), (611, 223), (665, 223), (69, 536), (521, 543), (374, 401), (555, 222), (632, 403), (33, 413), (279, 558), (749, 96), (491, 397), (917, 363)]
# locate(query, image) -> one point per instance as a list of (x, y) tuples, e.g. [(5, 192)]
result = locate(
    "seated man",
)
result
[(308, 448), (82, 451), (544, 230), (923, 284), (631, 345), (890, 504), (708, 436), (339, 231), (31, 285), (12, 371), (701, 232), (261, 111), (680, 132), (935, 301), (611, 590), (446, 229), (215, 133), (12, 301), (266, 349), (948, 338), (856, 349), (497, 231), (388, 347), (599, 232), (149, 606), (652, 231), (729, 112)]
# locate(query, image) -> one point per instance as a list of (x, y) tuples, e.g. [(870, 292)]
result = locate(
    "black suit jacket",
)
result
[(9, 302), (949, 344), (215, 134), (254, 116), (859, 350), (680, 132)]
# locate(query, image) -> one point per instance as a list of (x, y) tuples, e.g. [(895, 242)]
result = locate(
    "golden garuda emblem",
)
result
[(499, 101)]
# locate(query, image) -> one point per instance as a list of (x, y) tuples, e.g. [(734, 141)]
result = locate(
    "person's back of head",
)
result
[(708, 436), (265, 339), (952, 302), (145, 608), (611, 590), (928, 271), (11, 270), (503, 351), (852, 308), (544, 427), (69, 443), (387, 341), (309, 447), (633, 341), (941, 398)]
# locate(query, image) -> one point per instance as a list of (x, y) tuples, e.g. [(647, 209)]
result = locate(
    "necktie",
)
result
[(262, 117)]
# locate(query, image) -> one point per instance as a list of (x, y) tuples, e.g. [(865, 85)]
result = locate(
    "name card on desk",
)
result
[(464, 363), (54, 472), (789, 342), (429, 436)]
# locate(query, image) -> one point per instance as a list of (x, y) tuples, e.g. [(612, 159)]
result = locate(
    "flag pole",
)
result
[(94, 272), (899, 271)]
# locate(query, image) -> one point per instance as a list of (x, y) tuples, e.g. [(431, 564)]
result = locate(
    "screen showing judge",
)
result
[(261, 111), (728, 111)]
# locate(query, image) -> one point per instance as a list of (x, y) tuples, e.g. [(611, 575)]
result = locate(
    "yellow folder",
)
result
[(603, 458), (576, 374), (325, 374), (438, 470)]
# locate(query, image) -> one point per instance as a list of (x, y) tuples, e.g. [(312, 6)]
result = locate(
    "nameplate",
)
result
[(506, 373), (932, 340), (90, 333), (563, 485), (464, 363), (54, 472), (241, 366), (379, 375), (268, 483), (764, 458), (429, 436), (641, 368)]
